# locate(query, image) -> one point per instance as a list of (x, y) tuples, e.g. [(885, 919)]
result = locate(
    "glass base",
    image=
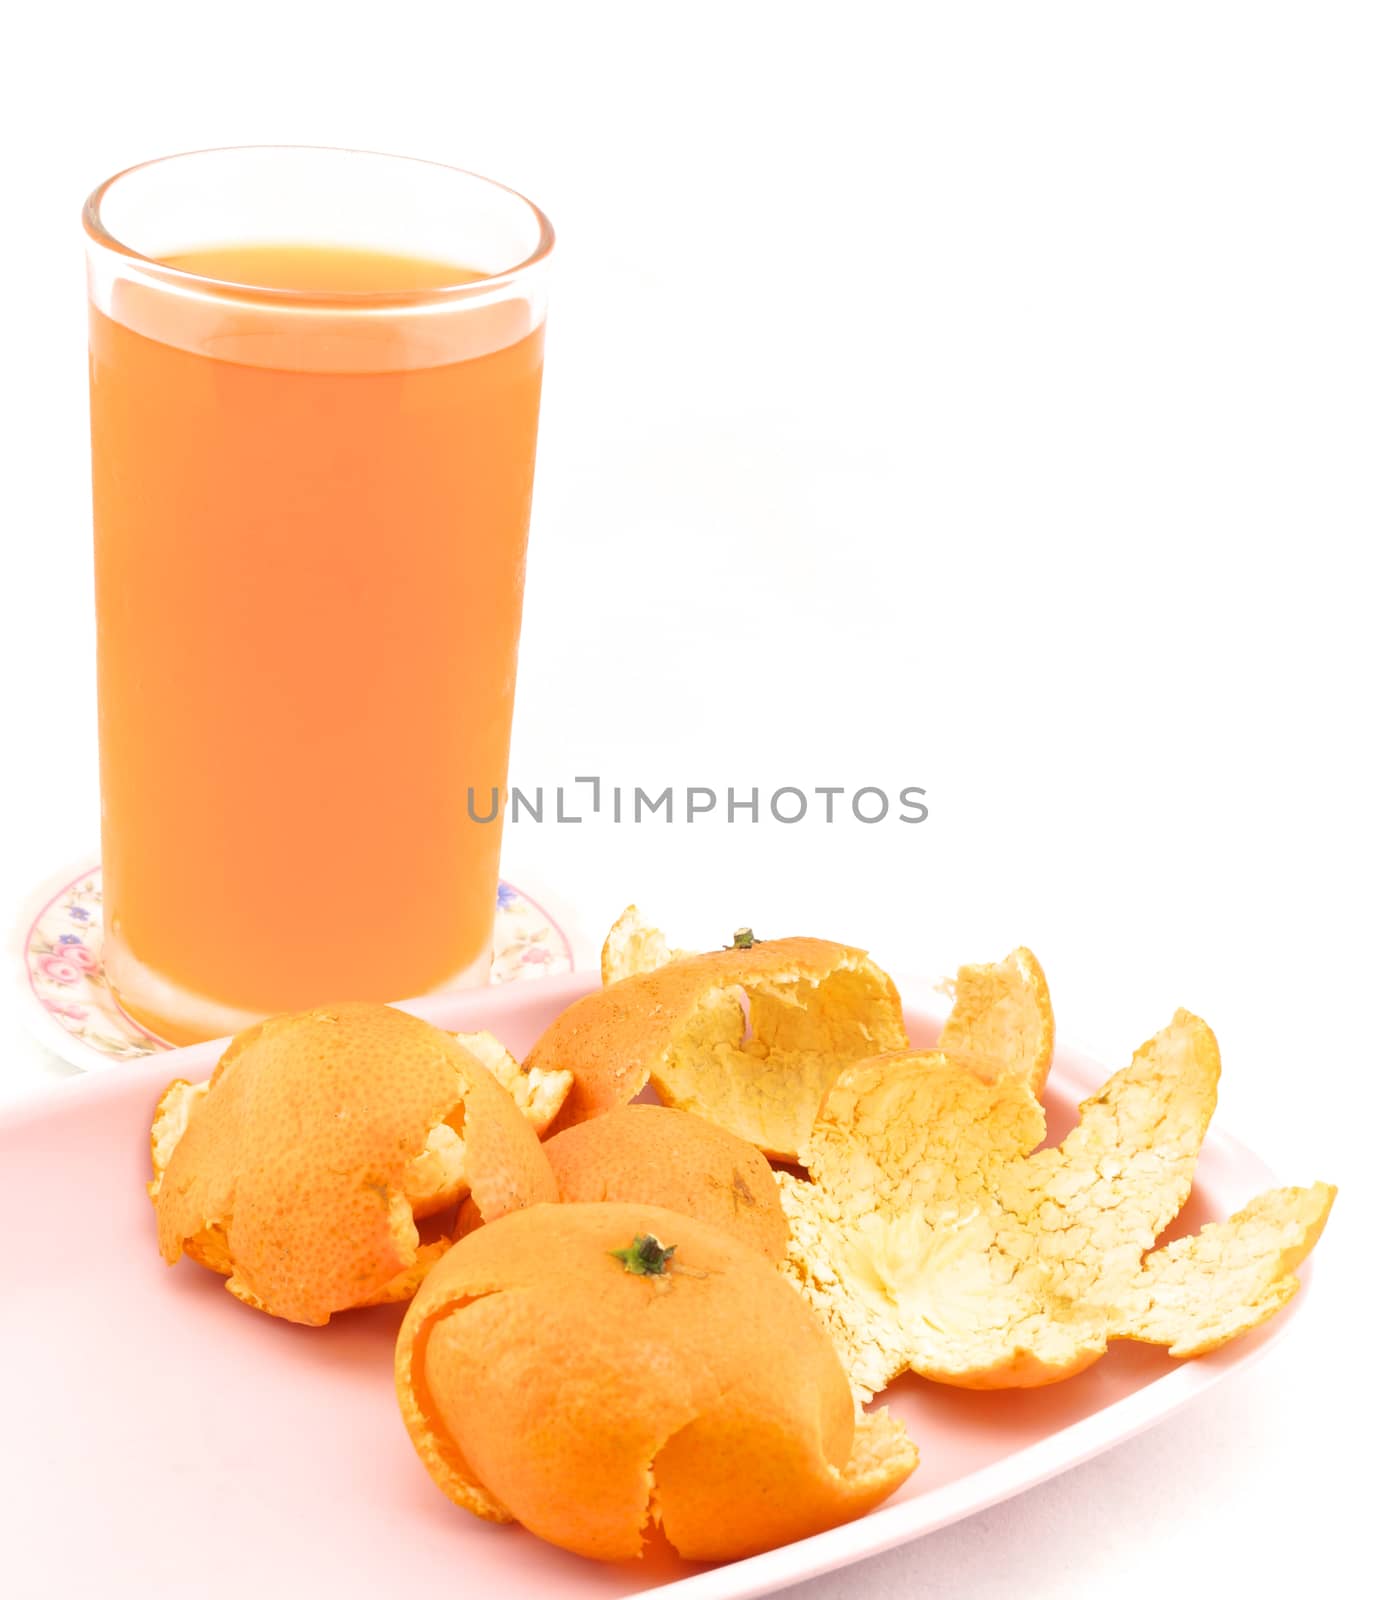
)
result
[(177, 1015)]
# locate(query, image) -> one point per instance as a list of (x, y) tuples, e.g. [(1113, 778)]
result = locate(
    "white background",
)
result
[(984, 397)]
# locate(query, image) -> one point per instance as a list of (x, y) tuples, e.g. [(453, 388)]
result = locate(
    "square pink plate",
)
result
[(160, 1439)]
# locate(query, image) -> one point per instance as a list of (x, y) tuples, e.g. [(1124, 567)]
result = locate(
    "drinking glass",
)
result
[(315, 384)]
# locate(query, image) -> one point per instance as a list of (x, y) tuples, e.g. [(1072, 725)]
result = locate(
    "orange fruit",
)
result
[(674, 1159), (595, 1370), (300, 1169)]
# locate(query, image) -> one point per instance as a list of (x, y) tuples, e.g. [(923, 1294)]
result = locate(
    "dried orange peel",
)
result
[(812, 1007), (664, 1157), (930, 1236), (300, 1169), (1002, 1016), (594, 1371)]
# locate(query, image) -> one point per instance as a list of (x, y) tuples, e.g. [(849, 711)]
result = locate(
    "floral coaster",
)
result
[(62, 961)]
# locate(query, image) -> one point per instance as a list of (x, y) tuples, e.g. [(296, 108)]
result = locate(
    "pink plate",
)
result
[(162, 1440)]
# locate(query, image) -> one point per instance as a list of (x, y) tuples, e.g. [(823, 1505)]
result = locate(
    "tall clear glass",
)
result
[(315, 384)]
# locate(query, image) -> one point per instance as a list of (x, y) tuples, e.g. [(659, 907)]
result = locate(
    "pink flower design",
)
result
[(80, 956), (58, 969), (65, 1008), (534, 954)]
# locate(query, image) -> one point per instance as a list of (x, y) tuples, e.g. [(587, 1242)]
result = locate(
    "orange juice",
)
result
[(310, 551)]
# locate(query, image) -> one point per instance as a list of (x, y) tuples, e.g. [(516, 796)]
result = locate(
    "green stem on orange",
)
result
[(645, 1256)]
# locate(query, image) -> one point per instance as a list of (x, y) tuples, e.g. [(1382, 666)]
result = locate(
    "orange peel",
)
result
[(660, 1156), (812, 1007), (554, 1370), (300, 1169), (933, 1235), (539, 1093), (633, 947), (1002, 1016)]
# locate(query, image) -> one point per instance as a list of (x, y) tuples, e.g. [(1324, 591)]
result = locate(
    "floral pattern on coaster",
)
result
[(63, 959)]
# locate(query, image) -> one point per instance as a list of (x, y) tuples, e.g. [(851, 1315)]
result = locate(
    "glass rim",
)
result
[(364, 299)]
